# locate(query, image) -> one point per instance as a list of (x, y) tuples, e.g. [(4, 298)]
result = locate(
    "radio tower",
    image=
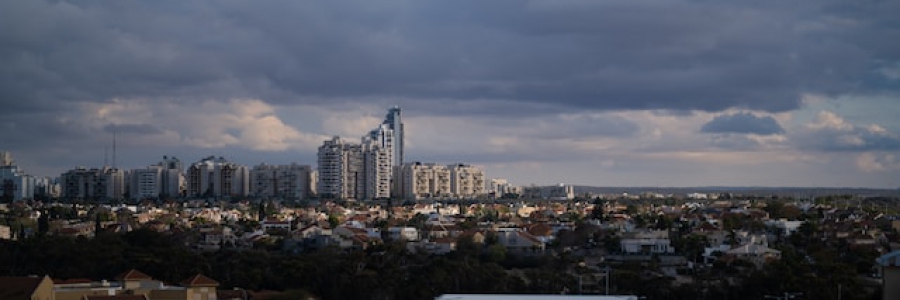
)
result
[(114, 150)]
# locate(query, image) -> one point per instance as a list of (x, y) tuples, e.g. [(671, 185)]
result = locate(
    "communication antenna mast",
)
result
[(114, 150)]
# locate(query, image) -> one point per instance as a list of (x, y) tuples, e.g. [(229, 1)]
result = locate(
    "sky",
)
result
[(605, 93)]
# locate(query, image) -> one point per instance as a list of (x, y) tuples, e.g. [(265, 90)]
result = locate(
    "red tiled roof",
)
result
[(540, 229), (133, 275), (199, 280), (529, 237), (15, 288)]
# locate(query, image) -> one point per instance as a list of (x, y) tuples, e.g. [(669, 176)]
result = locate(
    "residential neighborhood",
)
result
[(689, 248)]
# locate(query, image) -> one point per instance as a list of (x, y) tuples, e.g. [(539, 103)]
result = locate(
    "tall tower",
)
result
[(393, 121), (341, 170), (6, 159)]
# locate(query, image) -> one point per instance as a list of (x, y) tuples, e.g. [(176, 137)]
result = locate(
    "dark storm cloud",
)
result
[(743, 123), (582, 127), (852, 139), (678, 55)]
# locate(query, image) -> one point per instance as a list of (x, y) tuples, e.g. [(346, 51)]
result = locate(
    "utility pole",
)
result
[(608, 273)]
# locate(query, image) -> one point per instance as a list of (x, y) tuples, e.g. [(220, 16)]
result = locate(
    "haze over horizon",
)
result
[(664, 93)]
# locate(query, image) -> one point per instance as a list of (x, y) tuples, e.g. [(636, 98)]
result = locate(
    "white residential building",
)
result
[(217, 177), (395, 124), (466, 181), (500, 187), (284, 181), (646, 242), (5, 158), (403, 233), (146, 183), (172, 181), (387, 137), (354, 171), (47, 187), (788, 227), (341, 170), (423, 181), (378, 170)]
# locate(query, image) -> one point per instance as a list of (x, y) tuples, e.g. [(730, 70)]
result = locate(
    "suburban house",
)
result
[(646, 242), (132, 285), (403, 233), (518, 241)]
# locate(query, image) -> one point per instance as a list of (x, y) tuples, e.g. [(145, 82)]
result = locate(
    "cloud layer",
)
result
[(596, 92)]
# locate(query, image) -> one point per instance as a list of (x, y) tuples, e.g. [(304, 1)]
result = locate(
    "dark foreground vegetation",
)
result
[(390, 272)]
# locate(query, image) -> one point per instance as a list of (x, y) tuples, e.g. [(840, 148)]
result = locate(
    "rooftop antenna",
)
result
[(114, 150), (106, 156)]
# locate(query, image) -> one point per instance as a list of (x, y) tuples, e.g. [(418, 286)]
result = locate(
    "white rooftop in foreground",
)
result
[(532, 296)]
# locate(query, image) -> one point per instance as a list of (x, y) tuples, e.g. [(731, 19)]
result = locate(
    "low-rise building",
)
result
[(518, 241), (403, 233), (646, 242)]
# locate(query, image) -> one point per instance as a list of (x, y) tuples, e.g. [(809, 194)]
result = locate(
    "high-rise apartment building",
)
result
[(423, 181), (282, 181), (6, 158), (466, 181), (145, 183), (46, 188), (378, 170), (14, 183), (500, 188), (339, 164), (389, 137), (217, 177), (172, 181), (164, 179), (393, 122), (333, 178), (366, 170), (93, 184)]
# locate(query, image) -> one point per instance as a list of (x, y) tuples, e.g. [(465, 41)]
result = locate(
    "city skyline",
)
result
[(617, 93)]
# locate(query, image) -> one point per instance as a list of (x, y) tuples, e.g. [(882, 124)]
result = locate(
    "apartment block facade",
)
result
[(424, 181), (466, 181), (282, 181), (354, 171), (96, 183), (217, 177), (15, 184)]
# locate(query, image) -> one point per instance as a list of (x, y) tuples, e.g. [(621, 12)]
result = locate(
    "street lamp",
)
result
[(608, 273)]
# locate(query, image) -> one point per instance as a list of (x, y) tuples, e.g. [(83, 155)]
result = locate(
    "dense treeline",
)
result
[(390, 272), (383, 272)]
